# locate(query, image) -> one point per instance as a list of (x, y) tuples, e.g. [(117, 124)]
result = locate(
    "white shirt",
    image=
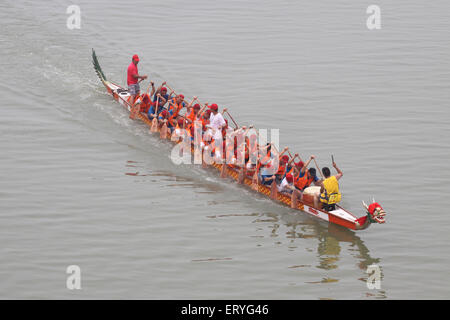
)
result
[(268, 170), (284, 185), (215, 122)]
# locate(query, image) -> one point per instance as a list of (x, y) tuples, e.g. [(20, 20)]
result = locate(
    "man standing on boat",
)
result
[(329, 191), (216, 124), (133, 78), (216, 121)]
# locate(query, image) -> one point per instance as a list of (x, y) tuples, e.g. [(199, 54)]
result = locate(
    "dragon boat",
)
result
[(339, 216)]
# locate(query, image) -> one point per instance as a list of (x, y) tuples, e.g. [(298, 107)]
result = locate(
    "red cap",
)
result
[(164, 89), (289, 177), (181, 96), (197, 106), (299, 164), (214, 107), (180, 122), (164, 113), (285, 158), (135, 57)]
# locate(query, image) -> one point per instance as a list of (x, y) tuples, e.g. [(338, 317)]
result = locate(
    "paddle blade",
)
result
[(176, 134), (134, 110), (223, 172), (241, 176), (163, 132), (255, 181), (294, 199), (273, 190), (154, 127)]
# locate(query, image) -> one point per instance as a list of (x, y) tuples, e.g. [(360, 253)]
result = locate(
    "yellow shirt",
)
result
[(331, 194)]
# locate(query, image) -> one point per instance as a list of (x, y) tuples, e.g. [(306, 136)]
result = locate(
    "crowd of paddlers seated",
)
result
[(272, 168)]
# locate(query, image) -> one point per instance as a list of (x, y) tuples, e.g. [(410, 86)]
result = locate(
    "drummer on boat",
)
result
[(329, 192), (133, 78)]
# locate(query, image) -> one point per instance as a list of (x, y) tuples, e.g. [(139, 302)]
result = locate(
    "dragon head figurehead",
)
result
[(375, 212)]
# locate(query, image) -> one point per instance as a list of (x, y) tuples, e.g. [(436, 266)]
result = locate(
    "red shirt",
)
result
[(132, 70)]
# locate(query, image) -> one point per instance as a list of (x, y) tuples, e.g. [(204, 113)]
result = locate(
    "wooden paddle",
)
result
[(174, 92), (154, 127), (202, 110), (148, 88), (163, 132), (236, 125)]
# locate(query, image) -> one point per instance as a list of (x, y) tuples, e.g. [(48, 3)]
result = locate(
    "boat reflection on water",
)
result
[(331, 241)]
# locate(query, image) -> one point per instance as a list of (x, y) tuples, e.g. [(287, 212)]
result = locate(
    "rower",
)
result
[(152, 110), (191, 118), (144, 100), (304, 178), (282, 166), (205, 119), (176, 104), (191, 112), (161, 92), (237, 149), (287, 184), (251, 152), (179, 129), (265, 164), (133, 78), (294, 169), (330, 194), (194, 113), (164, 117)]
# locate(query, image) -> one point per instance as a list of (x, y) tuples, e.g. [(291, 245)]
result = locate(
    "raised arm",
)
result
[(190, 103), (307, 164), (153, 88), (292, 160), (339, 172), (284, 150), (159, 88)]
